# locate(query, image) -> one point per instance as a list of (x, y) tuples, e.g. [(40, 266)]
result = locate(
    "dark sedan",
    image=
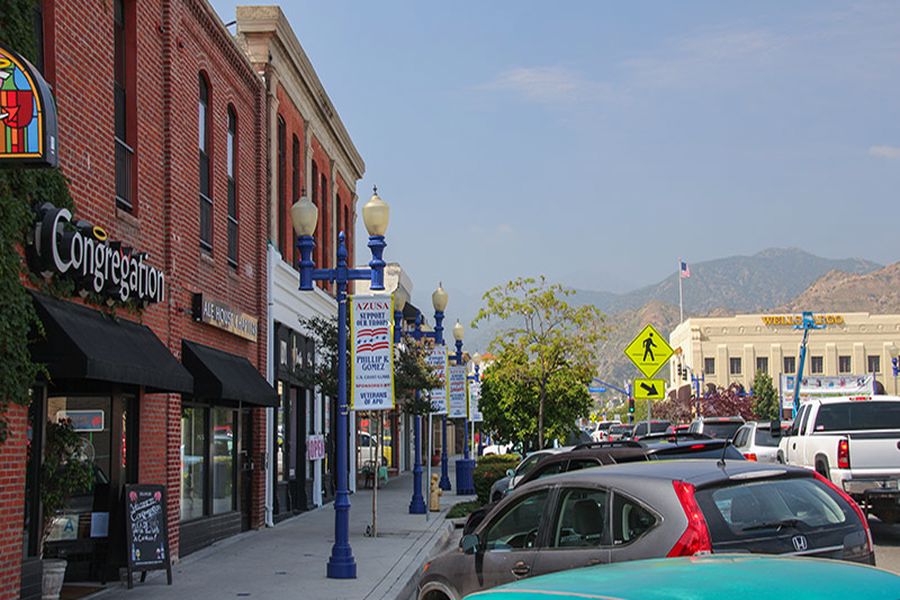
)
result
[(648, 510)]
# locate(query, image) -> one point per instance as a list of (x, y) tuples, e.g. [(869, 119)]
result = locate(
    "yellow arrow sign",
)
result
[(649, 389), (649, 351)]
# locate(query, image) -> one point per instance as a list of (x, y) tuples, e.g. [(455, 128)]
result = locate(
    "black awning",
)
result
[(219, 375), (82, 343)]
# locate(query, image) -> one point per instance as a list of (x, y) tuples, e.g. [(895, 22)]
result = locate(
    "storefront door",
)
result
[(247, 467)]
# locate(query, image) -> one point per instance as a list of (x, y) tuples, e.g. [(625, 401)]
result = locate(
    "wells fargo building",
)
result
[(730, 350)]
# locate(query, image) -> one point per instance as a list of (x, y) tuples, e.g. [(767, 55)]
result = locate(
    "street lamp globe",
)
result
[(439, 299), (400, 299), (458, 331), (305, 215), (375, 214), (476, 358)]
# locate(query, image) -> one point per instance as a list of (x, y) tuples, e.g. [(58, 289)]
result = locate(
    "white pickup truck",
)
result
[(855, 442)]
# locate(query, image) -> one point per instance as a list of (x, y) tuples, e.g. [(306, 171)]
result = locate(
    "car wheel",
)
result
[(780, 457), (887, 516), (822, 468), (496, 497)]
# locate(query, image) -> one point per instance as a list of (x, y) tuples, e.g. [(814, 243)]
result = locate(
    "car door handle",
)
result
[(521, 569)]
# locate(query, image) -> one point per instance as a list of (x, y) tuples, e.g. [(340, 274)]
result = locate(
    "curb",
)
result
[(408, 591)]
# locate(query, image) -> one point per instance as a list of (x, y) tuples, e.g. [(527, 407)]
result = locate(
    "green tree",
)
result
[(546, 354), (765, 398)]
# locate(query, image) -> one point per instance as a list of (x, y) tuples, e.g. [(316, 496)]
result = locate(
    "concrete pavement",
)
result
[(288, 561)]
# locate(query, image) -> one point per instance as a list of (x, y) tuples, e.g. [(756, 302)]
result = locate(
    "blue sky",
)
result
[(597, 142)]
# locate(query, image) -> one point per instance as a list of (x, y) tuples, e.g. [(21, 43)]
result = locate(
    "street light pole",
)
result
[(465, 467), (439, 301), (304, 214)]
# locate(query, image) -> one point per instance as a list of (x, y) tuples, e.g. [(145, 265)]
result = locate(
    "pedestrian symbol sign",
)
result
[(649, 389), (649, 351)]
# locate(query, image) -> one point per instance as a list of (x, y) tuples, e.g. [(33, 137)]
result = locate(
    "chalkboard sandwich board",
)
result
[(146, 534)]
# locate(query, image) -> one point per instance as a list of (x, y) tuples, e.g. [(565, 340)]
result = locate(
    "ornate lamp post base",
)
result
[(444, 483), (417, 503)]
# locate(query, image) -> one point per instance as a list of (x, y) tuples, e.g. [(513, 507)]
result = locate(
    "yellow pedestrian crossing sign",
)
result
[(649, 351), (649, 389)]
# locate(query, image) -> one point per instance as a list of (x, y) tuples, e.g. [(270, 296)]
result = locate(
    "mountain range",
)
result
[(783, 279)]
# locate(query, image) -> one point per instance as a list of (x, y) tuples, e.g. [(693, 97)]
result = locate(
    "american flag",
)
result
[(684, 269)]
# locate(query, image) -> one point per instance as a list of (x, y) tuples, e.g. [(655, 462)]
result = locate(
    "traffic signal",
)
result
[(680, 371), (631, 410)]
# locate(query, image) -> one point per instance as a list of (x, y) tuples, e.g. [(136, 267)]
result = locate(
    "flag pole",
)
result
[(680, 294)]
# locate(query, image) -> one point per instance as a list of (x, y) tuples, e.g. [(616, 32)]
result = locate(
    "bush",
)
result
[(489, 459), (462, 509), (487, 472)]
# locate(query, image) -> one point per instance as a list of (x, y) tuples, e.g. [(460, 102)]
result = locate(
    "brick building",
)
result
[(310, 151), (169, 392)]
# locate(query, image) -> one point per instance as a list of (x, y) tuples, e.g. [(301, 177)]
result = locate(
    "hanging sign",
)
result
[(83, 254), (437, 360), (474, 399), (372, 357), (822, 386), (457, 388), (28, 128), (219, 314), (146, 532)]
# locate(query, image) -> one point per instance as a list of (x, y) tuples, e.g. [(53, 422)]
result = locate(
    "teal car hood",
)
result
[(731, 577)]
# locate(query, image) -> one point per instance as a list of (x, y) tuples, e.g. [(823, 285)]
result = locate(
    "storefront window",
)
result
[(193, 462), (280, 434), (223, 453)]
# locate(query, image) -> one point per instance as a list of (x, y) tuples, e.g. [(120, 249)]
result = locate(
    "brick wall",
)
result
[(12, 501)]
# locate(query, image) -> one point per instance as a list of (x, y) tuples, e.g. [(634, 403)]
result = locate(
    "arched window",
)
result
[(232, 188), (206, 203)]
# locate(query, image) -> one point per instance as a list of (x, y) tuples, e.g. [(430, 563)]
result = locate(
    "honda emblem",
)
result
[(800, 543)]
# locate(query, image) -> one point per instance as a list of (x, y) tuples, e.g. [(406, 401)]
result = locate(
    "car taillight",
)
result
[(695, 538), (750, 456), (852, 502), (843, 454)]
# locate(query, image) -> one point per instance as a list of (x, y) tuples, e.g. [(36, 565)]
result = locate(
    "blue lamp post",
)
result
[(439, 301), (465, 466), (304, 214)]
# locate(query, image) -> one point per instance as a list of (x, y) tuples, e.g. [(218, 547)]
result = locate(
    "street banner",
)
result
[(457, 387), (437, 360), (372, 352), (474, 398), (818, 386)]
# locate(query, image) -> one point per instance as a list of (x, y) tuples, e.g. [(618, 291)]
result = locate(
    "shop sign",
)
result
[(83, 253), (437, 360), (221, 315), (823, 386), (372, 352), (315, 447), (474, 400), (28, 127), (458, 396), (83, 420), (770, 320), (146, 530)]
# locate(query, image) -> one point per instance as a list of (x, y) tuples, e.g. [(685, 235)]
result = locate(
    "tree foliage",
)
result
[(546, 358), (20, 190), (65, 471), (765, 399), (411, 375)]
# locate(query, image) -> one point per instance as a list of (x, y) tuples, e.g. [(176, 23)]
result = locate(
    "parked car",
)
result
[(619, 432), (719, 427), (601, 431), (642, 428), (735, 577), (367, 449), (755, 441), (649, 510), (688, 445), (853, 441), (502, 485)]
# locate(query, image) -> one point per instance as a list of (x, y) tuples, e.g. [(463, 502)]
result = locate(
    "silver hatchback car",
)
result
[(754, 440)]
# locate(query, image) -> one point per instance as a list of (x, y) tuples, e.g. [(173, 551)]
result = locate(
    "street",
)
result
[(887, 545)]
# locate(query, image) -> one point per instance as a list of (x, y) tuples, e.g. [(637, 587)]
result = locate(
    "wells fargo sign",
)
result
[(798, 320)]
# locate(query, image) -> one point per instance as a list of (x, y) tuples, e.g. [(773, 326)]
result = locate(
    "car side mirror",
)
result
[(510, 473), (775, 428), (470, 543)]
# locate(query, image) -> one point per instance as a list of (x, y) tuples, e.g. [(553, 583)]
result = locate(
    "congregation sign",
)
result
[(82, 253), (372, 359)]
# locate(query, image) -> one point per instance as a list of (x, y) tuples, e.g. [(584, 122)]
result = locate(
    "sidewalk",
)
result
[(288, 561)]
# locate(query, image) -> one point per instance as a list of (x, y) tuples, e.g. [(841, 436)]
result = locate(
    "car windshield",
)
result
[(723, 430), (763, 437), (659, 426), (755, 508), (845, 416)]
